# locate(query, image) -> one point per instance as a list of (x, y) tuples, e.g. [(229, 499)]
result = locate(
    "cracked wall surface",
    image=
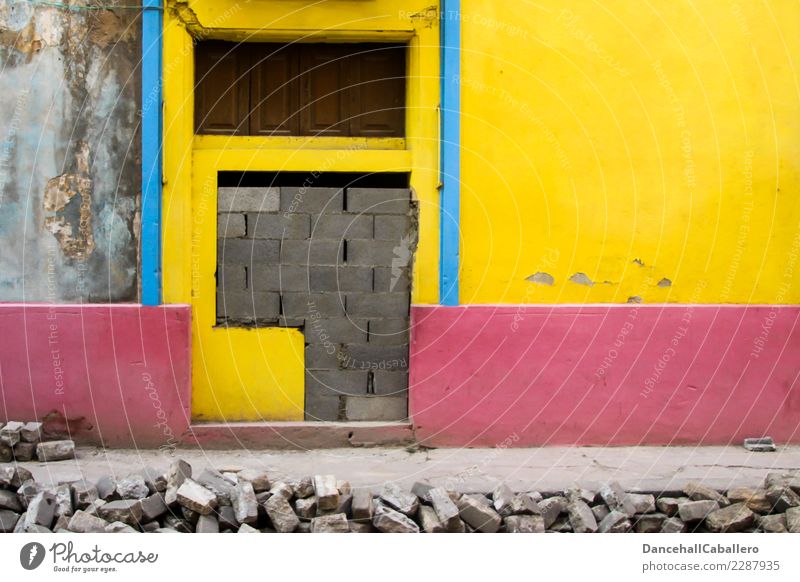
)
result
[(69, 153)]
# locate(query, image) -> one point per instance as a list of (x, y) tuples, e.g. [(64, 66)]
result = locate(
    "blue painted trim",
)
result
[(450, 176), (151, 151)]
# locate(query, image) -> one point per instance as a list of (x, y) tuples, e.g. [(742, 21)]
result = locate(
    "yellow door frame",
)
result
[(258, 374)]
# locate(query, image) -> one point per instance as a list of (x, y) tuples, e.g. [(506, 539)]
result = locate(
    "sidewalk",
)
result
[(464, 470)]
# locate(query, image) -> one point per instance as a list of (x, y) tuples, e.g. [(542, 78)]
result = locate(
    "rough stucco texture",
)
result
[(69, 154)]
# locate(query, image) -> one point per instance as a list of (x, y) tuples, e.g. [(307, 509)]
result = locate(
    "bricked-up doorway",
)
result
[(329, 254)]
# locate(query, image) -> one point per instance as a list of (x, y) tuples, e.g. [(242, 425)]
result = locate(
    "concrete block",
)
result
[(388, 331), (231, 225), (377, 304), (232, 277), (278, 226), (284, 278), (321, 407), (312, 200), (322, 356), (341, 226), (336, 382), (392, 227), (312, 252), (248, 199), (375, 357), (310, 305), (378, 200), (340, 279), (392, 280), (248, 306), (390, 383), (385, 408), (376, 253), (248, 251), (336, 330)]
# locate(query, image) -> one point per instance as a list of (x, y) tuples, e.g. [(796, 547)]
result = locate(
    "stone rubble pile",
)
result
[(21, 441), (249, 501)]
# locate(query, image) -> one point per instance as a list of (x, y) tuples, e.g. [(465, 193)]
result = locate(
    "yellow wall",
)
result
[(243, 374), (605, 132)]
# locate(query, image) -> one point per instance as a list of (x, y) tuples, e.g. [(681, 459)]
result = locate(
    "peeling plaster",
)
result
[(541, 279), (664, 283)]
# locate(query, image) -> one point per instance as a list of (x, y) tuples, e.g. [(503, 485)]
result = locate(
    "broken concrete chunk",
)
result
[(733, 518), (63, 496), (421, 489), (258, 479), (388, 520), (361, 506), (132, 487), (106, 488), (153, 507), (649, 523), (525, 504), (83, 494), (326, 491), (613, 522), (692, 511), (207, 524), (551, 508), (8, 520), (194, 496), (403, 501), (215, 482), (282, 515), (793, 519), (245, 505), (41, 509), (83, 522), (446, 511), (9, 501), (782, 497), (336, 523), (480, 516), (429, 521), (643, 502), (125, 510), (283, 489), (581, 517), (31, 432), (119, 527), (617, 499), (177, 473), (24, 451), (55, 451), (772, 523), (502, 496), (673, 525), (699, 492), (525, 524), (303, 488), (11, 433), (306, 508)]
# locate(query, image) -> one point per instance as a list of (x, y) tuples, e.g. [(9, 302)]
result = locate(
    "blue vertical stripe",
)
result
[(451, 157), (151, 151)]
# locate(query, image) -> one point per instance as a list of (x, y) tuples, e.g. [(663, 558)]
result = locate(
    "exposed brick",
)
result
[(232, 278), (340, 279), (244, 305), (378, 200), (372, 252), (376, 408), (248, 199), (389, 331), (336, 382), (393, 382), (392, 227), (322, 356), (375, 357), (321, 407), (248, 251), (335, 330), (231, 225), (312, 252), (308, 304), (312, 200), (377, 304), (388, 279), (341, 226), (279, 226)]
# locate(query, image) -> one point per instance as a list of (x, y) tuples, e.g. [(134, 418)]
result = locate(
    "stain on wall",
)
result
[(69, 153)]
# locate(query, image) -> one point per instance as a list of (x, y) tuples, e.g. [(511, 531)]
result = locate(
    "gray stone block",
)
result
[(336, 330), (392, 227), (279, 278), (378, 200), (247, 306), (375, 357), (388, 331), (390, 383), (391, 280), (312, 200), (232, 278), (376, 253), (278, 226), (312, 305), (312, 252), (322, 357), (341, 226), (248, 251), (386, 408), (231, 225), (336, 382), (321, 407), (247, 199), (340, 279), (377, 304)]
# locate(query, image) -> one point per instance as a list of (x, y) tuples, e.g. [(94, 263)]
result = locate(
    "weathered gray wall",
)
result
[(70, 153)]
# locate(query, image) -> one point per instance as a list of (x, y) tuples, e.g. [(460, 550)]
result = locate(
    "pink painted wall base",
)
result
[(118, 375), (488, 376)]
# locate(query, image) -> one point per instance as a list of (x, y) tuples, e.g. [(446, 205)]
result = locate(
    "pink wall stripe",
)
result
[(604, 375)]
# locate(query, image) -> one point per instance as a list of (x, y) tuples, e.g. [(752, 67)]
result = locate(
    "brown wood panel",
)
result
[(275, 91), (221, 89), (301, 89), (379, 94)]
